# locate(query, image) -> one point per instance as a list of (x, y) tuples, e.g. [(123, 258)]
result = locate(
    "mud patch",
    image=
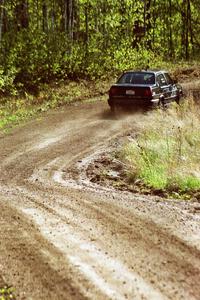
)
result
[(108, 170)]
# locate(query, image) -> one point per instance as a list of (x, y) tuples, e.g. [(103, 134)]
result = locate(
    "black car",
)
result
[(145, 89)]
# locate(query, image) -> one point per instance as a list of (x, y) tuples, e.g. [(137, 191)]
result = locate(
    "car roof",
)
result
[(145, 71)]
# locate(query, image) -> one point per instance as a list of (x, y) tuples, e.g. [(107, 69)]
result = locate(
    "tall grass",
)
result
[(166, 155)]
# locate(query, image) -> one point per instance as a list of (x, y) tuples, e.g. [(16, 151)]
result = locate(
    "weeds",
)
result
[(6, 293), (166, 154), (15, 110)]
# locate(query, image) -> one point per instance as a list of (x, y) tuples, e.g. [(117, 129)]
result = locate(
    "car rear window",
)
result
[(137, 78)]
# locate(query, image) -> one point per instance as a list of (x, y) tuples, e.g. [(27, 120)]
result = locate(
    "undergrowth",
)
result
[(14, 110), (166, 155), (6, 293)]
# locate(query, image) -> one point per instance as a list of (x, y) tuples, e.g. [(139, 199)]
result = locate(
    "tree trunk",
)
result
[(185, 27), (170, 30), (1, 18), (187, 32), (53, 16), (21, 13), (44, 17), (147, 4), (86, 28), (69, 17)]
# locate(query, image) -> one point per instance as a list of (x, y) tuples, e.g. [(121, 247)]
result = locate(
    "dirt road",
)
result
[(63, 237)]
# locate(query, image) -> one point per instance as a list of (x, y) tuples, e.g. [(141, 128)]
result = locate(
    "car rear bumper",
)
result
[(133, 102)]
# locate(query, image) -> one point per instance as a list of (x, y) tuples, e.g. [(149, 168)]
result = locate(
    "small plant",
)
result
[(6, 293)]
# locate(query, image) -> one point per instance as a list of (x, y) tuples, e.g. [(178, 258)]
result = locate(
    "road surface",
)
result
[(63, 237)]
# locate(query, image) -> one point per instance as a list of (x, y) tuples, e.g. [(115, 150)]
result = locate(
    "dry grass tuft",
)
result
[(166, 155)]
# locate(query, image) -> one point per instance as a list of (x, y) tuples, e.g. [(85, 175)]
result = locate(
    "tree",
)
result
[(44, 39)]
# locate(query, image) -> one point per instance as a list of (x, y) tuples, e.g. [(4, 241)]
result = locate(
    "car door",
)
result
[(165, 88), (172, 88)]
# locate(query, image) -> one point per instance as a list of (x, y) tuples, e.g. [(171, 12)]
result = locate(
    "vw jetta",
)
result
[(145, 89)]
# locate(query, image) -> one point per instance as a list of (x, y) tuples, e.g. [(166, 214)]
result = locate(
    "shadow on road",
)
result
[(121, 113)]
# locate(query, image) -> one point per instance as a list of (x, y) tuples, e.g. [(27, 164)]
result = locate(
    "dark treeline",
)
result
[(42, 40)]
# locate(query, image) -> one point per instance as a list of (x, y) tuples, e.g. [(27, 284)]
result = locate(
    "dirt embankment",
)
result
[(63, 236)]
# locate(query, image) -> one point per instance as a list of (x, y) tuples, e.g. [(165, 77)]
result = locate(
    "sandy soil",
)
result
[(65, 237)]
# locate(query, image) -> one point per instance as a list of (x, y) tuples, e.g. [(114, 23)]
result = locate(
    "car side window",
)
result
[(161, 80), (127, 78), (168, 78)]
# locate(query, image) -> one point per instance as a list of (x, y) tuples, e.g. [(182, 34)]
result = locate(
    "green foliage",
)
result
[(45, 40), (6, 293)]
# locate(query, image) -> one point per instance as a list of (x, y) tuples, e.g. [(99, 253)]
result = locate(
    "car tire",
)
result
[(178, 99), (161, 103)]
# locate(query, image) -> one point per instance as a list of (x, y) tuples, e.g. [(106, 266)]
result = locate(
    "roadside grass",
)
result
[(6, 293), (15, 110), (166, 155)]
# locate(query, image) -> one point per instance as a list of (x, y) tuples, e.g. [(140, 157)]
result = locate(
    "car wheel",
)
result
[(161, 103), (177, 99)]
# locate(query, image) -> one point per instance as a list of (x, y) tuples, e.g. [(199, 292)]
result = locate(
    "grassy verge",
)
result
[(14, 110), (166, 155), (6, 293)]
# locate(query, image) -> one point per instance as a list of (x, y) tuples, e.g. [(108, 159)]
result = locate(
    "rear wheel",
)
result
[(162, 104), (178, 99)]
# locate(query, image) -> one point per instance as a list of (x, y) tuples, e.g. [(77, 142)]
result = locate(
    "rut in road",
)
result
[(65, 238)]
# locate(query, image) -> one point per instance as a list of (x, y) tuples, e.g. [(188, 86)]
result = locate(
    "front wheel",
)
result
[(161, 103)]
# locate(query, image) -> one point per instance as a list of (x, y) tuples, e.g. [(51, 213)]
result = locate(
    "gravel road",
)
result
[(63, 237)]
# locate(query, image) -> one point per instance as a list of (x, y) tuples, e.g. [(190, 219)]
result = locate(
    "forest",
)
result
[(46, 39)]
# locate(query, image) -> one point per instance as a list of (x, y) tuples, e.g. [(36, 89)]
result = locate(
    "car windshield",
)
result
[(137, 78)]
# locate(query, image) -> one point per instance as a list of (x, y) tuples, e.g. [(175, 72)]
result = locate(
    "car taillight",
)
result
[(147, 92), (113, 91)]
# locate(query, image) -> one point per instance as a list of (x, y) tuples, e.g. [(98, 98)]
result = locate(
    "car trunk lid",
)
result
[(133, 91)]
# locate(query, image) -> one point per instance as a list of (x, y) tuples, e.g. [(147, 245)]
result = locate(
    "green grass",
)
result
[(166, 155), (6, 293), (15, 110)]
